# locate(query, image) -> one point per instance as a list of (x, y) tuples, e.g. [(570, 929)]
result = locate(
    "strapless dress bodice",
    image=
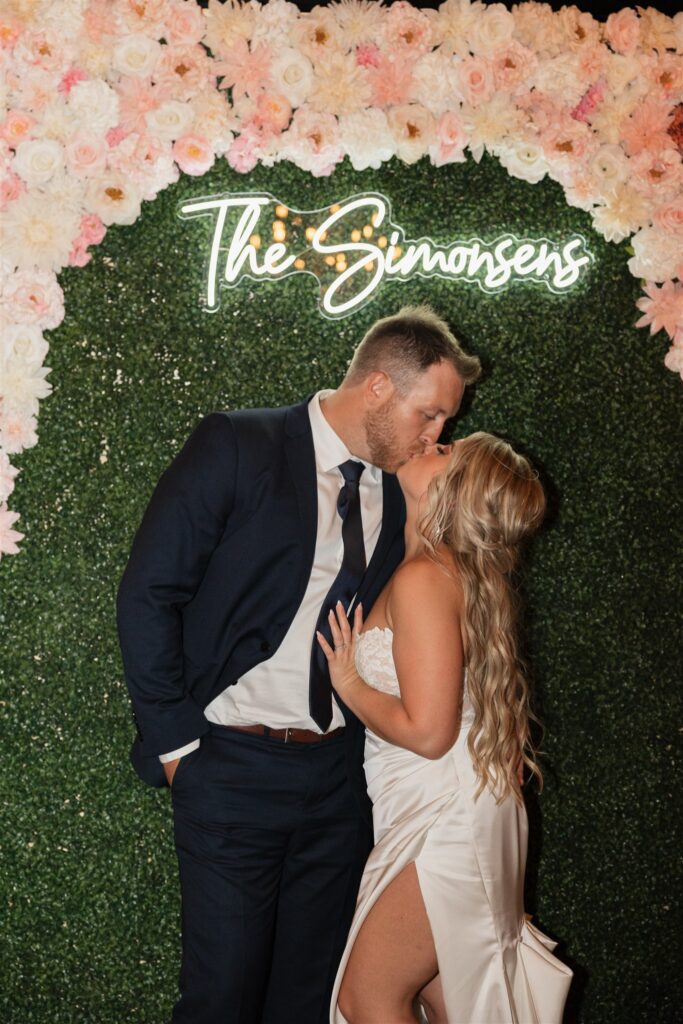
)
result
[(375, 664)]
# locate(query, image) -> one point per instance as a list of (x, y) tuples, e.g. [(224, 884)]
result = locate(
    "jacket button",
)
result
[(265, 646)]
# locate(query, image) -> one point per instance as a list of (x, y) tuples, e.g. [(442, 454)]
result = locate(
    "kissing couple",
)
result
[(318, 630)]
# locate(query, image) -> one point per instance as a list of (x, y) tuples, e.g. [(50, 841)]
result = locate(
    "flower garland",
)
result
[(104, 102)]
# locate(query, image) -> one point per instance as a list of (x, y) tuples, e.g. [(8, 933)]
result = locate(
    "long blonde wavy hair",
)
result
[(483, 505)]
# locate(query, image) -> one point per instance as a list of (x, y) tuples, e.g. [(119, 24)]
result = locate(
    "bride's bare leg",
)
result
[(431, 998), (392, 958)]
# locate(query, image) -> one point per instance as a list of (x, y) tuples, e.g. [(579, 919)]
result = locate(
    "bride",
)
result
[(435, 676)]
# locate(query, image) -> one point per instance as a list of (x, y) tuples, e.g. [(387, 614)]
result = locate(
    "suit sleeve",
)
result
[(180, 530)]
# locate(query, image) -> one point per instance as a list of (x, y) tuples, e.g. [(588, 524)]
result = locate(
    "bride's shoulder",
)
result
[(426, 578)]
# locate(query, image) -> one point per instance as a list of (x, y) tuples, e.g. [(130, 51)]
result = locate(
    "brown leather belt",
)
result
[(287, 735)]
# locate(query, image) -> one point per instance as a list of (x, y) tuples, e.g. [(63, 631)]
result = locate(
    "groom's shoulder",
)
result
[(264, 422)]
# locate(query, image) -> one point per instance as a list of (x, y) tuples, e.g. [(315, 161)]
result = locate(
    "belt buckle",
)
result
[(287, 732)]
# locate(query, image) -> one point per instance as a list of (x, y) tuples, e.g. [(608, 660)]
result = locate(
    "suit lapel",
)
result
[(301, 461), (393, 521)]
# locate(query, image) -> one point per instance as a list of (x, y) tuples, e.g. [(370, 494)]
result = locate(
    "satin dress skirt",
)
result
[(495, 966)]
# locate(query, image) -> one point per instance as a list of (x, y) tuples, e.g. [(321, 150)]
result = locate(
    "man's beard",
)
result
[(381, 439)]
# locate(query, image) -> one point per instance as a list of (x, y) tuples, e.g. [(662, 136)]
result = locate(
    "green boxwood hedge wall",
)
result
[(89, 880)]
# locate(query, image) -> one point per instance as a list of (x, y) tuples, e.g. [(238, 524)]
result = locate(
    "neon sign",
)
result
[(352, 246)]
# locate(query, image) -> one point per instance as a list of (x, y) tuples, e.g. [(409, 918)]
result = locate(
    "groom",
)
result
[(262, 522)]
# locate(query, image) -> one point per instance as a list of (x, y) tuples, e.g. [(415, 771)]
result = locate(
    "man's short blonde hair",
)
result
[(405, 345)]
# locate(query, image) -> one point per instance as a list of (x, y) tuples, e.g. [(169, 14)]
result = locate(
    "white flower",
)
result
[(367, 139), (55, 121), (136, 55), (453, 22), (212, 117), (610, 167), (558, 78), (340, 86), (621, 70), (657, 256), (114, 198), (359, 20), (491, 30), (17, 429), (523, 159), (38, 230), (228, 22), (414, 130), (291, 75), (23, 343), (169, 121), (491, 124), (312, 142), (94, 106), (38, 160), (625, 210), (274, 20), (7, 475), (22, 388), (435, 83)]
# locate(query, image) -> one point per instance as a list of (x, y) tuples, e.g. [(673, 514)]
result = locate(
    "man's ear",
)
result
[(378, 388)]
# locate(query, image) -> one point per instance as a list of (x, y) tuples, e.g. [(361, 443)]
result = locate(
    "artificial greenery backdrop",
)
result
[(89, 879)]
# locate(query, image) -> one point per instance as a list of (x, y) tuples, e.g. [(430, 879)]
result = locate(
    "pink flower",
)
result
[(8, 536), (92, 229), (185, 23), (622, 30), (407, 30), (513, 65), (673, 360), (659, 175), (451, 139), (115, 136), (9, 32), (8, 472), (137, 96), (243, 153), (273, 111), (11, 188), (17, 431), (79, 255), (662, 309), (368, 55), (667, 74), (590, 101), (477, 80), (391, 81), (85, 155), (98, 20), (183, 71), (34, 297), (244, 71), (69, 80), (193, 154), (567, 142), (647, 127), (16, 127)]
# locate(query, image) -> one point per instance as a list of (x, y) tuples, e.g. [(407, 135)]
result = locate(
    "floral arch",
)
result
[(105, 102)]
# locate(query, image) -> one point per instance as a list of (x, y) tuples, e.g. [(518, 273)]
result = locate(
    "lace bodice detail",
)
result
[(375, 664)]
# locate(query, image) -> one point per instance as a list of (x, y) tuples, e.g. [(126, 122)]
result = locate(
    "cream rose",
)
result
[(291, 75), (169, 121), (38, 160), (136, 55), (492, 30)]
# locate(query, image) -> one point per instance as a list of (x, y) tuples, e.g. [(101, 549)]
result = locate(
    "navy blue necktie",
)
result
[(343, 588)]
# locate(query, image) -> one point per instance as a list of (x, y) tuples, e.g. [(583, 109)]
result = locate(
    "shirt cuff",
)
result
[(180, 752)]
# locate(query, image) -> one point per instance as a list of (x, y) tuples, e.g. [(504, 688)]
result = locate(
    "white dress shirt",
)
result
[(275, 692)]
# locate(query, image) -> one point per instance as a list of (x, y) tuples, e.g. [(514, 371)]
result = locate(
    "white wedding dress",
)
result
[(495, 967)]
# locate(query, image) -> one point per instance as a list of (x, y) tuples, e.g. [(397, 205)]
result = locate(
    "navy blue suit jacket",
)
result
[(218, 569)]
